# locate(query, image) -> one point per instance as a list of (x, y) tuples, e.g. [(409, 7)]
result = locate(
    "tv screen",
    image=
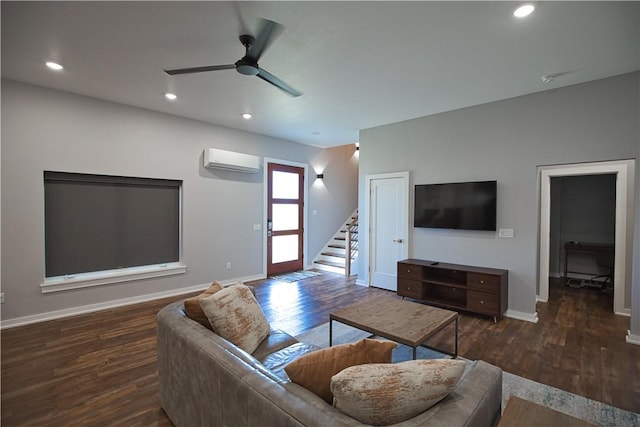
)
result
[(460, 205)]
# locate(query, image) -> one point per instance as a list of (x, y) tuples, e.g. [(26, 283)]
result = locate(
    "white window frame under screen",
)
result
[(70, 281)]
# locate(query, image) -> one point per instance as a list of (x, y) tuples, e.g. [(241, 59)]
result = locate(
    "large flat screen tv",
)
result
[(460, 205)]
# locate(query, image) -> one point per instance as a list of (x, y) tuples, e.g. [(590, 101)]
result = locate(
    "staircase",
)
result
[(335, 256)]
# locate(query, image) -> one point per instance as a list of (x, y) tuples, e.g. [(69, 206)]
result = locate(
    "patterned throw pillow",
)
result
[(383, 394), (236, 316), (192, 305), (314, 370)]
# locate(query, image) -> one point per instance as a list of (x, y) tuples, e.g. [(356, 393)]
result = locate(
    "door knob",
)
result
[(398, 240)]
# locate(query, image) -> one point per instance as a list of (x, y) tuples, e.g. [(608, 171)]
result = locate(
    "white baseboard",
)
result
[(361, 283), (521, 315), (74, 311), (632, 338)]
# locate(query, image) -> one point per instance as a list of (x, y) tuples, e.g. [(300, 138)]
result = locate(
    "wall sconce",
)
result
[(320, 176)]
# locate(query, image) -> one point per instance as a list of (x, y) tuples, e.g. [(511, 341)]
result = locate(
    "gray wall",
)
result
[(583, 209), (335, 196), (506, 141), (50, 130)]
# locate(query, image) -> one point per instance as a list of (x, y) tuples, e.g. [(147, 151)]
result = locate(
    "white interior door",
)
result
[(389, 229)]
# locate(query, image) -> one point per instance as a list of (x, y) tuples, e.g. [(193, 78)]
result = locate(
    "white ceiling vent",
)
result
[(232, 161)]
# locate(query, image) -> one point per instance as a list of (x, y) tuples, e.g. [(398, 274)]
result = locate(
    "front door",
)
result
[(285, 228), (389, 228)]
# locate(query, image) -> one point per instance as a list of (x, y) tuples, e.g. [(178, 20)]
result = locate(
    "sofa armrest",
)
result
[(475, 402)]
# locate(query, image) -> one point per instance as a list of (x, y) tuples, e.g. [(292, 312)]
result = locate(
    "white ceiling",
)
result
[(358, 64)]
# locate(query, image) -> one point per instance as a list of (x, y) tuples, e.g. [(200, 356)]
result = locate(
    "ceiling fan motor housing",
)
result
[(247, 67)]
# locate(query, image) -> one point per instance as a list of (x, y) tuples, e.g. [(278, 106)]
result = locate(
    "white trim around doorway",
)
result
[(622, 169)]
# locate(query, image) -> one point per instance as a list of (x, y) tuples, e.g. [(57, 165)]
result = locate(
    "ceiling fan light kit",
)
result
[(248, 64)]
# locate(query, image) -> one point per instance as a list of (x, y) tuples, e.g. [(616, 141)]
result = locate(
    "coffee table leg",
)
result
[(455, 353), (414, 353), (330, 332)]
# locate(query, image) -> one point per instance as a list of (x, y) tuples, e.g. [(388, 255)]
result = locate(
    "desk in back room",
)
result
[(600, 251)]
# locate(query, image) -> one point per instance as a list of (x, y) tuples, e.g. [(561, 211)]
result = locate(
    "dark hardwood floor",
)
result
[(100, 368)]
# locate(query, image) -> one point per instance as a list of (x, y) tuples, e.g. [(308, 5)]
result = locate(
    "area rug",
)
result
[(295, 276), (592, 411)]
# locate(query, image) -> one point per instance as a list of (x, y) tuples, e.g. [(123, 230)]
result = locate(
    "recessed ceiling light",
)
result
[(524, 10), (549, 78), (54, 66), (246, 116), (171, 96)]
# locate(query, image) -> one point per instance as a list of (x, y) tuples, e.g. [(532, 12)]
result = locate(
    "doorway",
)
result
[(388, 205), (285, 218), (621, 171)]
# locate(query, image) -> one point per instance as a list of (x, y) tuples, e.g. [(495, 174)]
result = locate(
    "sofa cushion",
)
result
[(236, 316), (276, 340), (278, 360), (383, 394), (192, 305), (313, 371)]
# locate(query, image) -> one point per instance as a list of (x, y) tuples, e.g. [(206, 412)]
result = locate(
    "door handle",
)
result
[(398, 240)]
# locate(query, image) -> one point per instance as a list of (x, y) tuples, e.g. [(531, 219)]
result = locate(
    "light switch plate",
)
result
[(505, 233)]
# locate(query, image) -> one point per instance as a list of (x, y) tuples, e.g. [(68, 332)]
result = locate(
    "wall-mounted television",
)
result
[(459, 205)]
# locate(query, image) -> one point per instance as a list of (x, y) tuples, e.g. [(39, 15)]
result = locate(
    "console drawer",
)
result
[(484, 282), (410, 288), (483, 302), (409, 271)]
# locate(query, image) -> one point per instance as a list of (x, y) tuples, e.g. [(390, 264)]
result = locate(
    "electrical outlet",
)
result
[(257, 227), (1, 297), (228, 266)]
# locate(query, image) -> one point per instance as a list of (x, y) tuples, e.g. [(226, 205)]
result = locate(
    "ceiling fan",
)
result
[(248, 64)]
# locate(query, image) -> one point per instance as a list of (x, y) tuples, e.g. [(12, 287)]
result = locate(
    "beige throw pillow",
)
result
[(383, 394), (236, 316), (314, 370), (192, 305)]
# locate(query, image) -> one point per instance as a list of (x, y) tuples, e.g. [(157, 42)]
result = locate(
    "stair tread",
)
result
[(330, 263), (334, 254), (338, 238), (337, 246)]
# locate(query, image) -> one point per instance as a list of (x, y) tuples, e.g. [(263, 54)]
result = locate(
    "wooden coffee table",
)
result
[(406, 322), (522, 413)]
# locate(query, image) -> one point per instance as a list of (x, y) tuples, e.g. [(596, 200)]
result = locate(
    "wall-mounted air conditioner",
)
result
[(229, 160)]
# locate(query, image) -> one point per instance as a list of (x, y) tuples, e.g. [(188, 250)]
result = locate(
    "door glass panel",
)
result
[(285, 185), (285, 217), (284, 248)]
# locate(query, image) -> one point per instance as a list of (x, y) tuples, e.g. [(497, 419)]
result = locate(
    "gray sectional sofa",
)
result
[(207, 381)]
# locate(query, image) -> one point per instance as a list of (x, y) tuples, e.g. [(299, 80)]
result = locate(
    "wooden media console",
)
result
[(475, 289)]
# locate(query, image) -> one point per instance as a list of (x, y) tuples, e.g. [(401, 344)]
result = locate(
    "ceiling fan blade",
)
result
[(200, 69), (268, 32), (270, 78)]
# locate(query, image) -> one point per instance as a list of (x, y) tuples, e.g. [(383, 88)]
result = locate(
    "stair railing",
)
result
[(351, 244)]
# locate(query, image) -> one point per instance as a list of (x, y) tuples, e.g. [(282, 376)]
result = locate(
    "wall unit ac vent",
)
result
[(229, 160)]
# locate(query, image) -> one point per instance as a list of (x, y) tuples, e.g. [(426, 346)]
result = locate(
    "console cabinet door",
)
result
[(483, 302), (410, 288)]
